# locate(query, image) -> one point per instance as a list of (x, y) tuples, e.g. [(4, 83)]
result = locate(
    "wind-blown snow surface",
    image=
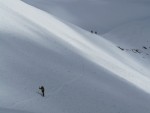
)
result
[(131, 36), (98, 15), (82, 72)]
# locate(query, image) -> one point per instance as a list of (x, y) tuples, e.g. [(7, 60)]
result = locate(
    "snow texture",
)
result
[(82, 72)]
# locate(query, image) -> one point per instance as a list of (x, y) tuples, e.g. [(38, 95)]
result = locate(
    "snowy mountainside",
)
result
[(129, 33), (81, 72), (133, 38), (98, 15)]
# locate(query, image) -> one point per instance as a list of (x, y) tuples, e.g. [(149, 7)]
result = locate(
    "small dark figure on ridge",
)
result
[(42, 90)]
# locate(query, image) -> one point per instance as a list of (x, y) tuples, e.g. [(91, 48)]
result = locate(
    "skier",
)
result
[(42, 90)]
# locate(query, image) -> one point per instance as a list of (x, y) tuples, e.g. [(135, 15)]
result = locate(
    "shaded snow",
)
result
[(133, 36), (82, 72), (98, 15)]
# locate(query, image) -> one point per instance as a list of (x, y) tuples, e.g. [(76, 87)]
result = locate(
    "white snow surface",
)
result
[(81, 72), (97, 15), (133, 35)]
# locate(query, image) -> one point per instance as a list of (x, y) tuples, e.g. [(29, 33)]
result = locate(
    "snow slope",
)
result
[(98, 15), (128, 33), (133, 36), (82, 72)]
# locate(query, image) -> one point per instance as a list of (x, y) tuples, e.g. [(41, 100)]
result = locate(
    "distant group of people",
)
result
[(93, 31)]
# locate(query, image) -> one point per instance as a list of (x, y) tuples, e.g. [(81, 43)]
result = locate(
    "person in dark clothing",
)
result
[(42, 90)]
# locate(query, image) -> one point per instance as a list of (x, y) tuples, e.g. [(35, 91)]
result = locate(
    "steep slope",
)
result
[(134, 39), (98, 15), (81, 72)]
